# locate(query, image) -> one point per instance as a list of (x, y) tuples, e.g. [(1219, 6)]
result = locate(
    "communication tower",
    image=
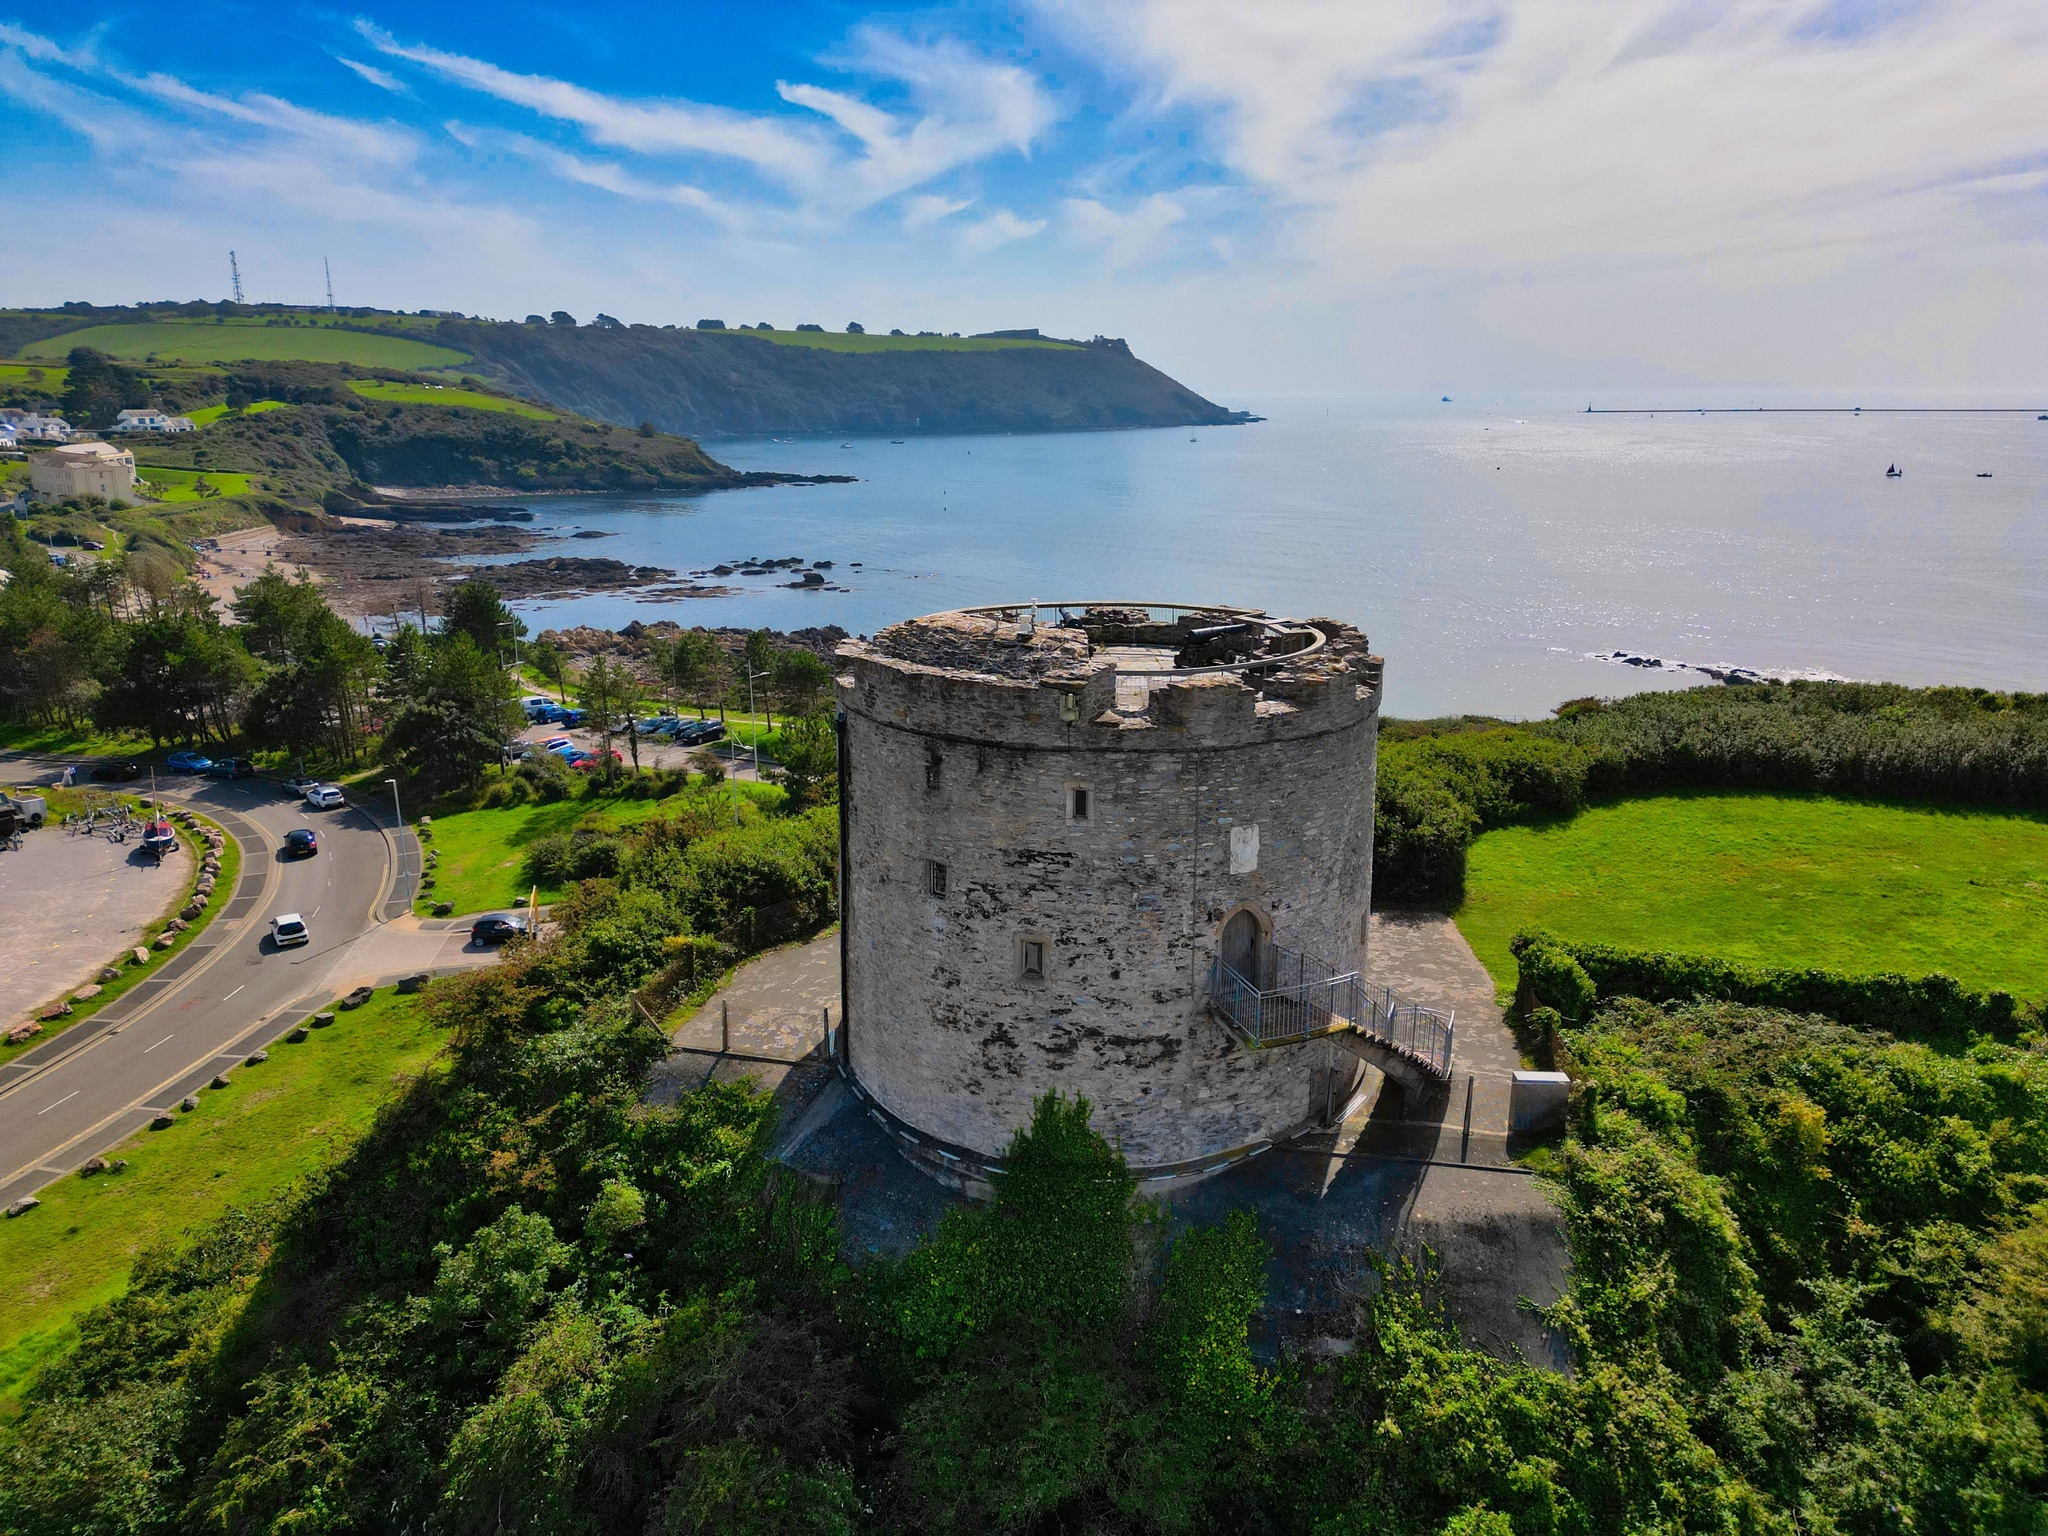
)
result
[(329, 268), (235, 270)]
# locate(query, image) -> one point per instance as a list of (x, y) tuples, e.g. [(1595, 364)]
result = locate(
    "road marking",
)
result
[(316, 910), (171, 1036), (74, 1093), (231, 994)]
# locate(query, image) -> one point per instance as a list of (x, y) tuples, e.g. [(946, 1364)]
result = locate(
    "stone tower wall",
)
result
[(975, 773)]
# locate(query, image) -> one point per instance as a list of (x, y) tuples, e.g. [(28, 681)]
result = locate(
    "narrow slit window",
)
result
[(1031, 959), (934, 878), (1077, 802), (933, 770)]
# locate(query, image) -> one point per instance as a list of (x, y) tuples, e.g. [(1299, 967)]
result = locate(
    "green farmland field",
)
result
[(207, 415), (182, 484), (435, 394), (838, 341), (205, 342), (1788, 880)]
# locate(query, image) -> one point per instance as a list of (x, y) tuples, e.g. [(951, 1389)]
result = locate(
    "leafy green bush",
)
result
[(1565, 975)]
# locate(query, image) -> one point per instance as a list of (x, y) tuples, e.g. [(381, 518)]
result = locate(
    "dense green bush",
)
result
[(1565, 975), (1442, 783)]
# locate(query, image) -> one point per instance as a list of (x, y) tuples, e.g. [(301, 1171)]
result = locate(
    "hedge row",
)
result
[(1443, 783), (1556, 973)]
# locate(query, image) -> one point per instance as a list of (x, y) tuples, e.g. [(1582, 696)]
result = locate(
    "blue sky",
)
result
[(1282, 196)]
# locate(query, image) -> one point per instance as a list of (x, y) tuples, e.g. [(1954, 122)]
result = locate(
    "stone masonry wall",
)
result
[(975, 773)]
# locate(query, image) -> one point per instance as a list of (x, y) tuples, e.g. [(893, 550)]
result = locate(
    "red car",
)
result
[(590, 760)]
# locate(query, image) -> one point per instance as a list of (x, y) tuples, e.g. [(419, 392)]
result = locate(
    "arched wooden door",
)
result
[(1241, 945)]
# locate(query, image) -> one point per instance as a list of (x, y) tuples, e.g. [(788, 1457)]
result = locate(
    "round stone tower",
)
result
[(1061, 823)]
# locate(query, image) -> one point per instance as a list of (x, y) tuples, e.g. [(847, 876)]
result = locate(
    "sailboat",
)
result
[(1895, 473)]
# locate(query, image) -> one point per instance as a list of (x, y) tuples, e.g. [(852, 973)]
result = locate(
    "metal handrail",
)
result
[(1297, 998)]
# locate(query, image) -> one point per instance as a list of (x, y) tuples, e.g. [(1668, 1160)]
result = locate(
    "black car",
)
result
[(497, 927), (300, 843), (231, 768), (118, 770)]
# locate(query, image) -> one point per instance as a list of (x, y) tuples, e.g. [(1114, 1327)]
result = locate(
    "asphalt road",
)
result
[(213, 1003)]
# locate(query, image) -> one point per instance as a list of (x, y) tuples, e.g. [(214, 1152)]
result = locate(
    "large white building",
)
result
[(43, 429), (151, 421), (83, 469)]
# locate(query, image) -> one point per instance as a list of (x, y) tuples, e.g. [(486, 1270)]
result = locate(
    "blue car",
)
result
[(545, 713), (188, 762), (567, 754)]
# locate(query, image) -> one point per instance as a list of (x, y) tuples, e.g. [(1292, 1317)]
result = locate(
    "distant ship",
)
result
[(1983, 474), (1895, 473)]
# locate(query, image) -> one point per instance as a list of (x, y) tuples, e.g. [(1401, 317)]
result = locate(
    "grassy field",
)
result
[(245, 1143), (1779, 879), (203, 341), (481, 851), (839, 341), (207, 415), (436, 394), (182, 484), (42, 374)]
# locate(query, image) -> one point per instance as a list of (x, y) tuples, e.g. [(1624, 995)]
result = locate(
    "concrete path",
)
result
[(70, 905)]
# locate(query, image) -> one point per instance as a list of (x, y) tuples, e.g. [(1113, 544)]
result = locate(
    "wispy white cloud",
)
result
[(383, 79), (1125, 236), (601, 174), (1000, 228), (926, 208), (962, 110)]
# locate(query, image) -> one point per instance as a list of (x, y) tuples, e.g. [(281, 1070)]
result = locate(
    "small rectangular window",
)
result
[(1077, 802), (932, 766), (934, 878), (1031, 959)]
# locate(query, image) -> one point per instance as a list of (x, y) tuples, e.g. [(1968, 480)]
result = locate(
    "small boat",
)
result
[(1983, 474), (158, 838), (896, 442), (1895, 473), (1447, 399)]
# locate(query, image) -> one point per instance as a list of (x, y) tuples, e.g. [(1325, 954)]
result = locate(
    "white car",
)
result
[(298, 784), (287, 929), (323, 797)]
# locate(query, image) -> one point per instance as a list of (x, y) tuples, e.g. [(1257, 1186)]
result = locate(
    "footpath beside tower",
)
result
[(1123, 850)]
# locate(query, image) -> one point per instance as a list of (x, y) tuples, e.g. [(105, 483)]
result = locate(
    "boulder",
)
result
[(166, 940), (357, 998), (444, 909), (189, 1103), (162, 1123), (118, 1164), (53, 1011), (297, 1035), (322, 1020), (139, 955), (177, 925), (111, 973), (257, 1058), (22, 1206), (91, 1166), (87, 993), (24, 1031), (191, 909), (413, 983), (220, 1080)]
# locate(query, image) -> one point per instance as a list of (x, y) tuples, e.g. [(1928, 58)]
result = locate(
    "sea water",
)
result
[(1498, 550)]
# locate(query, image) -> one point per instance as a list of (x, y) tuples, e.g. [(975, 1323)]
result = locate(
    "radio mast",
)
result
[(329, 266), (235, 268)]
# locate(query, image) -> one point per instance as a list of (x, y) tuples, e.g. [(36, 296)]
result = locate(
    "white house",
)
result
[(43, 429), (83, 469), (151, 421)]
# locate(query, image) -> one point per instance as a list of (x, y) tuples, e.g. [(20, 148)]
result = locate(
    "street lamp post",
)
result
[(756, 748)]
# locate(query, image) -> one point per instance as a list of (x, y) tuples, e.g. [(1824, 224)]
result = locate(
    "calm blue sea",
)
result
[(1494, 548)]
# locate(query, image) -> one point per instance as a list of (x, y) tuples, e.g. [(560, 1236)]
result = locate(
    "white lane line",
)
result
[(66, 1099), (231, 994), (316, 910), (172, 1035)]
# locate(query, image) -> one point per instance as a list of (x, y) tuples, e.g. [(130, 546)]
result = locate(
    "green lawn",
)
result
[(202, 341), (21, 373), (273, 1123), (839, 341), (207, 415), (1777, 879), (183, 484), (436, 394), (482, 851)]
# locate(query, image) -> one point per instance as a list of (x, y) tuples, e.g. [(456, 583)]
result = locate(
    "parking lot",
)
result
[(654, 753)]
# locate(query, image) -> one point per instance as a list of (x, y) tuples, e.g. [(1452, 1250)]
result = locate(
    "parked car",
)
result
[(556, 743), (117, 770), (569, 717), (287, 929), (656, 725), (188, 762), (535, 701), (518, 751), (546, 712), (229, 768), (584, 762), (300, 843), (697, 733), (298, 784), (325, 797), (497, 927)]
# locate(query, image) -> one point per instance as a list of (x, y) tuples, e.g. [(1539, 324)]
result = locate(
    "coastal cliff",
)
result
[(738, 384)]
